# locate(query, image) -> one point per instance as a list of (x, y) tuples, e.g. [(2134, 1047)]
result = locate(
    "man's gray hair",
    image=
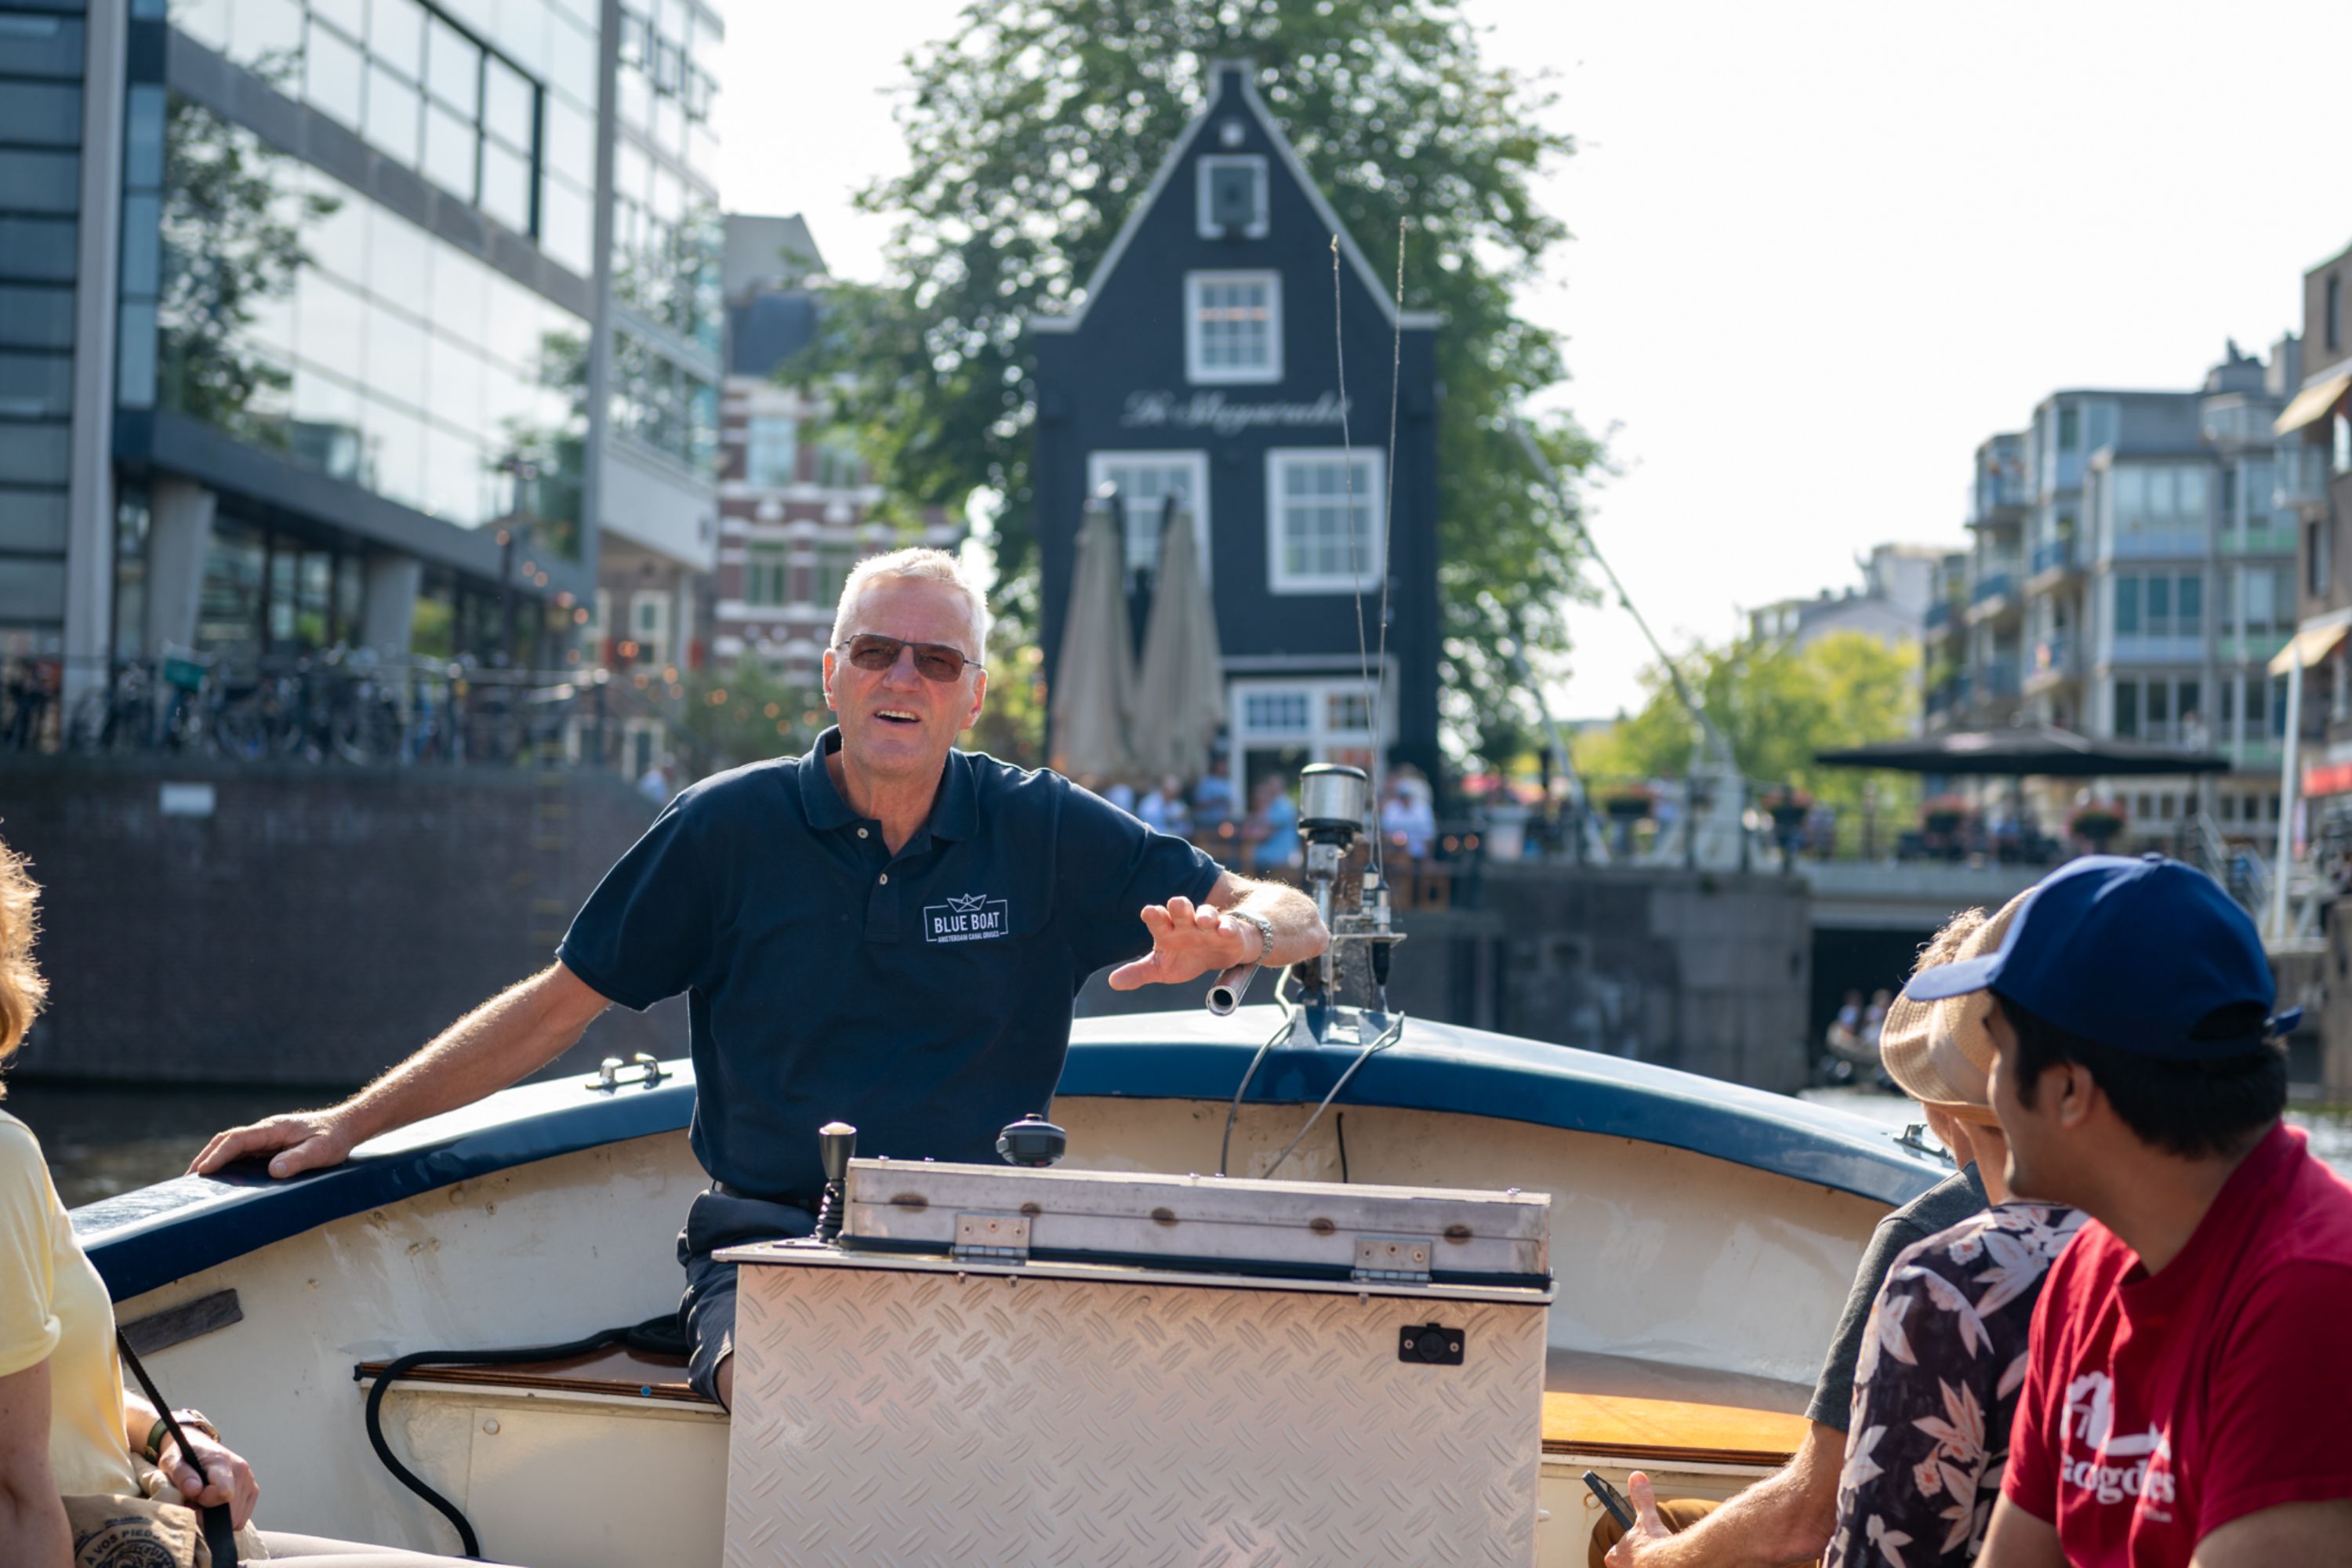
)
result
[(934, 565)]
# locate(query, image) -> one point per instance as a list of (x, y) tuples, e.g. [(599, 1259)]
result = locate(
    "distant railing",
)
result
[(340, 706), (1991, 586), (1998, 678), (1940, 614), (2055, 557)]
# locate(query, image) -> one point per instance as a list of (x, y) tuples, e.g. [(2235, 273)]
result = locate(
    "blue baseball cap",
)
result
[(2132, 952)]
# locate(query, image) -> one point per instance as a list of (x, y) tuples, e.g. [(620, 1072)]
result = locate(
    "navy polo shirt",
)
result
[(924, 997)]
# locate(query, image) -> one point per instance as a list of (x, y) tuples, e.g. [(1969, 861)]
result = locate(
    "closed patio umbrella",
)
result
[(1094, 679), (1179, 696)]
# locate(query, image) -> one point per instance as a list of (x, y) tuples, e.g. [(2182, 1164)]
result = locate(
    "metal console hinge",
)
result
[(608, 1072), (1392, 1259), (992, 1237)]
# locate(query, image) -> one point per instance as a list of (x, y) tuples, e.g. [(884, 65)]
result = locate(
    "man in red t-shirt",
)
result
[(2188, 1398)]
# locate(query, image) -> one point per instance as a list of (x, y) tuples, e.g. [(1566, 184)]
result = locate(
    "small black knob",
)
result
[(837, 1145), (1034, 1141), (1430, 1345)]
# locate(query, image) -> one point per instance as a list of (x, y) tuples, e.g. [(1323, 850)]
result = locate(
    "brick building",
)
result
[(797, 505)]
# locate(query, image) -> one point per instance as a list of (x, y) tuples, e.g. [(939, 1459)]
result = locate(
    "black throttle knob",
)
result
[(1033, 1141), (837, 1145)]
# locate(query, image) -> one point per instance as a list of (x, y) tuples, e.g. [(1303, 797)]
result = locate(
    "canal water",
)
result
[(101, 1141)]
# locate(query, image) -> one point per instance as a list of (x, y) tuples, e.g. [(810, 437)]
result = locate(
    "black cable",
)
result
[(1380, 1042), (401, 1368)]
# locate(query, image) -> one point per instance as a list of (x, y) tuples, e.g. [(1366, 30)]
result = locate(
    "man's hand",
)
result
[(1186, 944), (1648, 1528), (226, 1479), (299, 1140)]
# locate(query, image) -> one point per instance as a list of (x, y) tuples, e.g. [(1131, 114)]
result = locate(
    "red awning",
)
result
[(2334, 778)]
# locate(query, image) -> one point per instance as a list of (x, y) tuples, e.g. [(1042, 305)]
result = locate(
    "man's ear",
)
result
[(2078, 1093), (828, 679), (979, 691)]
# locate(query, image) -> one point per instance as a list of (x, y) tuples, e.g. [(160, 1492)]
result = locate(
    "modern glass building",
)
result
[(348, 321)]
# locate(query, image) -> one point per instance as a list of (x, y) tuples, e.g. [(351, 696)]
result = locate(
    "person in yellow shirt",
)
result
[(68, 1426)]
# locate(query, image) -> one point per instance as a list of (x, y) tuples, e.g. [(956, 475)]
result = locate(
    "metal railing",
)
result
[(1991, 586), (340, 706), (2057, 555)]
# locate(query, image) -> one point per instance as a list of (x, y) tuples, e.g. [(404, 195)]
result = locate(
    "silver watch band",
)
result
[(1265, 933)]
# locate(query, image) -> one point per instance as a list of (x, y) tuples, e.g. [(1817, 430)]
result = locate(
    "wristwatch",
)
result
[(1265, 934), (186, 1419)]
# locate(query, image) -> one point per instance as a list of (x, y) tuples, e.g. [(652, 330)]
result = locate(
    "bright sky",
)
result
[(1823, 251)]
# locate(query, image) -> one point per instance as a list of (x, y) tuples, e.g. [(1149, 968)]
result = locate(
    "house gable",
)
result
[(1233, 89)]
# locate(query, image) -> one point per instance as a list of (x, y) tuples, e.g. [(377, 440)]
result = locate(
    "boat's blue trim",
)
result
[(151, 1237), (166, 1232), (1191, 1055)]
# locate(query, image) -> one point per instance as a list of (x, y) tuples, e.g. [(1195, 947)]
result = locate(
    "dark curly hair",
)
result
[(2210, 1106)]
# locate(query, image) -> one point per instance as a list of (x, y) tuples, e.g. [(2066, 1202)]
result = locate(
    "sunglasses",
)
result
[(934, 660)]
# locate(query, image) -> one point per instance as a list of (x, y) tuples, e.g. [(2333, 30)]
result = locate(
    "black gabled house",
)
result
[(1205, 360)]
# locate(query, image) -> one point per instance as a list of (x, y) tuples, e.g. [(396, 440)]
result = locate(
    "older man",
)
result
[(887, 931)]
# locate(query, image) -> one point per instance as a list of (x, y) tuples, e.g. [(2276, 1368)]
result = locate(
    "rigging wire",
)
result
[(1355, 567), (1388, 514), (1567, 511)]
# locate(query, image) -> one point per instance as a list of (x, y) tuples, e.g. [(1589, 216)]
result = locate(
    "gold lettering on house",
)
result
[(1225, 415)]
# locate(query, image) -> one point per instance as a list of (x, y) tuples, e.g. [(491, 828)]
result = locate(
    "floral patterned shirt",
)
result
[(1937, 1387)]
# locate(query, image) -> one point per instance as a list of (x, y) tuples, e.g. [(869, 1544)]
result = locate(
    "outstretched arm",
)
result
[(1785, 1517), (1187, 941), (515, 1032)]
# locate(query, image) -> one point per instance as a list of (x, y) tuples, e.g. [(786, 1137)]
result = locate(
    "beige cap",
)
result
[(1940, 1053)]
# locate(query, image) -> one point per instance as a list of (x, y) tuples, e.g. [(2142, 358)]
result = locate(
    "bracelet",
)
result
[(153, 1450)]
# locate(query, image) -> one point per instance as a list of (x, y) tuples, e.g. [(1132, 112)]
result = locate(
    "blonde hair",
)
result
[(931, 566), (1945, 945), (22, 988)]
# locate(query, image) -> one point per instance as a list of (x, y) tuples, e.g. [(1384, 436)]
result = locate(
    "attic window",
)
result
[(1233, 196)]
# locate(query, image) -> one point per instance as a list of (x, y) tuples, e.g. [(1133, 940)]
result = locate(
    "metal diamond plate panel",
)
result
[(921, 1418)]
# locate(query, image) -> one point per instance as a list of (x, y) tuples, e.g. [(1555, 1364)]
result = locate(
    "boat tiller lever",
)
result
[(837, 1145)]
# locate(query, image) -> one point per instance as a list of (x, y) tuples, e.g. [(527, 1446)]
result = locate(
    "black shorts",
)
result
[(719, 1219)]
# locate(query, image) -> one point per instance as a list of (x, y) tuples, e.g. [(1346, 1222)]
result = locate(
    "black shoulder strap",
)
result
[(220, 1536)]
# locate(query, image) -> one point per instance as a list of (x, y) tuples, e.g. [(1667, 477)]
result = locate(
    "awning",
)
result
[(2315, 641), (2313, 403)]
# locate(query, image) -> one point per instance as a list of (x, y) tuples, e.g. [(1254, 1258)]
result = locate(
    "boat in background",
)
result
[(1704, 1238)]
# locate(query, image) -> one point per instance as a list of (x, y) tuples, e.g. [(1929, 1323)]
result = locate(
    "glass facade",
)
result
[(493, 100), (40, 174), (666, 231), (297, 314)]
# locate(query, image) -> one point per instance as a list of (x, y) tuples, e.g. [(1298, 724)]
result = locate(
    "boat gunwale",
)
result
[(142, 1240)]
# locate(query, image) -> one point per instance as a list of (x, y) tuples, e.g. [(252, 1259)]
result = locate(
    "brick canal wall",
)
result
[(1709, 972), (311, 927), (315, 925)]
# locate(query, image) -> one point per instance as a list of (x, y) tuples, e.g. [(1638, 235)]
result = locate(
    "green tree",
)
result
[(1777, 705), (1033, 132), (745, 714)]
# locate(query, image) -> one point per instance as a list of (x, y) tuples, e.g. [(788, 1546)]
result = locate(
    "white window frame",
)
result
[(1233, 376), (1320, 738), (1278, 460), (767, 552), (752, 445), (1206, 227), (1098, 465), (653, 647)]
